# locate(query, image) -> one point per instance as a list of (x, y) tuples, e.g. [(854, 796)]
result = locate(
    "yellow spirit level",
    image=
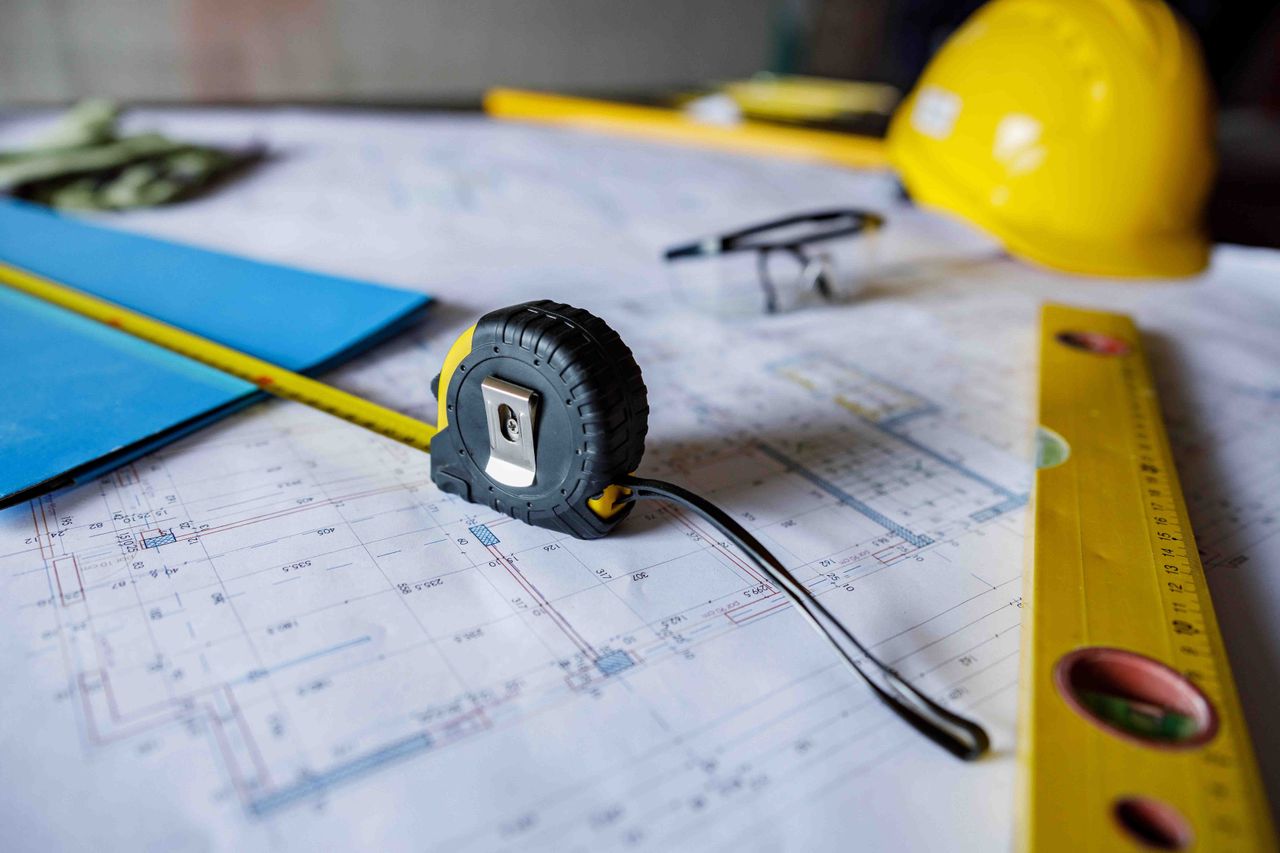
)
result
[(1130, 732)]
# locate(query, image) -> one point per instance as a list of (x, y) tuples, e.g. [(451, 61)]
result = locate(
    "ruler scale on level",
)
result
[(1130, 732), (271, 378)]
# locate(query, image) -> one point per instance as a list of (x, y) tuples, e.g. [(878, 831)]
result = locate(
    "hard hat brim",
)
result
[(1173, 255)]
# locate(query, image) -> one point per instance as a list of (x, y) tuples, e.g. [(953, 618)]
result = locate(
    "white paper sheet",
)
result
[(279, 635)]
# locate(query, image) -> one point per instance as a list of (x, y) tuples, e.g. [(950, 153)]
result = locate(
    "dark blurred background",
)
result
[(433, 53), (892, 41)]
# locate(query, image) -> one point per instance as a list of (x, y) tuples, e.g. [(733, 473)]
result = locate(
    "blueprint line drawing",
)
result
[(183, 593), (845, 498)]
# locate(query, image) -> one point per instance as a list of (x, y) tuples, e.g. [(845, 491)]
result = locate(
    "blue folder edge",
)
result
[(201, 290), (107, 463)]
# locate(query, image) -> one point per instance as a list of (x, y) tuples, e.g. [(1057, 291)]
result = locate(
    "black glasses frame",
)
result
[(835, 223)]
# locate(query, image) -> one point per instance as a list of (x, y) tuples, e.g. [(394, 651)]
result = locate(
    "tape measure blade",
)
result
[(269, 377), (1118, 609)]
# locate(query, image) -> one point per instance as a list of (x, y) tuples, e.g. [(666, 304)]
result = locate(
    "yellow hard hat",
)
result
[(1077, 132)]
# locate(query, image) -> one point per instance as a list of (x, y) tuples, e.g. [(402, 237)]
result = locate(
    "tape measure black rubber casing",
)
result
[(590, 424)]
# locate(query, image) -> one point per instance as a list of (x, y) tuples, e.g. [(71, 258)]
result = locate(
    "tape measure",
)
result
[(1130, 732), (542, 415), (530, 371)]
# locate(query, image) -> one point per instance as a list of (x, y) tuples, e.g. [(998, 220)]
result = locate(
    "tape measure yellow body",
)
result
[(1130, 732), (269, 377)]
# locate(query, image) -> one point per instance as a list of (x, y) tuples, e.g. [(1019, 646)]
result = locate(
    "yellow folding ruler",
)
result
[(1130, 732)]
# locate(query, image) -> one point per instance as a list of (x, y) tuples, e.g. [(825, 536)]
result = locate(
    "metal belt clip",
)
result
[(510, 410)]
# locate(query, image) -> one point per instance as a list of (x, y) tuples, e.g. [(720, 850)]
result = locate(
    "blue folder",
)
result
[(78, 399)]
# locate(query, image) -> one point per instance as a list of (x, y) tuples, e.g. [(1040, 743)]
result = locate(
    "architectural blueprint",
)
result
[(277, 634)]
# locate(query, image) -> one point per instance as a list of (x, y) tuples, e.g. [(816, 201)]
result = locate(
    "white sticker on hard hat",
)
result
[(1017, 143), (935, 112)]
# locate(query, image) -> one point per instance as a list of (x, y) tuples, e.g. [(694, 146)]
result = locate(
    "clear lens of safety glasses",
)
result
[(721, 284), (780, 265)]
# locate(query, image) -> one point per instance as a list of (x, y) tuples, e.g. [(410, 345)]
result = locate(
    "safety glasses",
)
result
[(779, 265)]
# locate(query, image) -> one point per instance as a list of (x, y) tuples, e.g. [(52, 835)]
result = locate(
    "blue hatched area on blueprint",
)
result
[(166, 537), (484, 535), (614, 662)]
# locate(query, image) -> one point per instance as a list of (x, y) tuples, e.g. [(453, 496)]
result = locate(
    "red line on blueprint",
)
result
[(233, 769), (57, 576), (44, 519), (185, 700), (314, 505), (708, 537), (88, 709), (264, 777), (42, 531), (781, 605), (898, 550), (180, 709), (98, 737), (61, 596), (454, 724), (35, 523), (41, 524), (111, 697), (562, 623)]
